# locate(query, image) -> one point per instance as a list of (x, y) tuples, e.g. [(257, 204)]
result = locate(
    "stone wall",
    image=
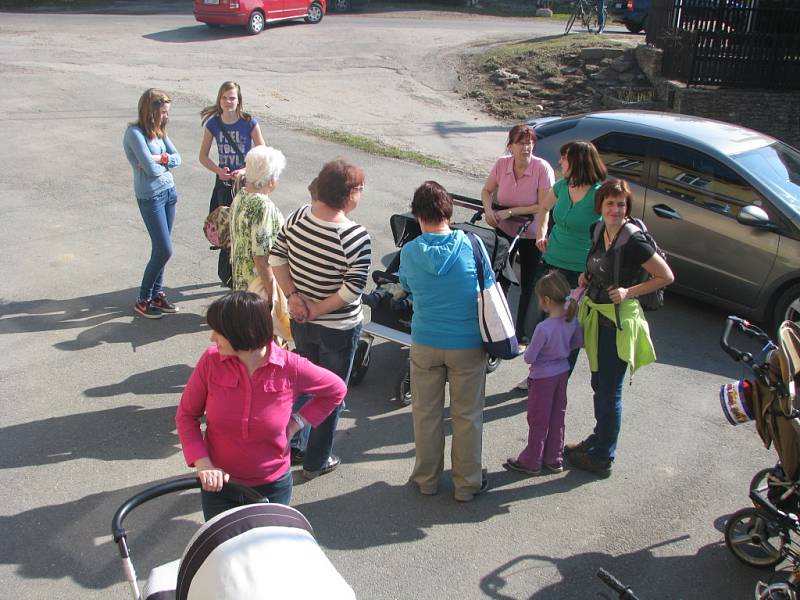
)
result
[(776, 113)]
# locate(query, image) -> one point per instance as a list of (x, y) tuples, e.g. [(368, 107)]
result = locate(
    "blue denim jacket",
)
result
[(149, 177)]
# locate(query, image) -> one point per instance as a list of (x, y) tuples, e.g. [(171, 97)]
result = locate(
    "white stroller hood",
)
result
[(257, 551)]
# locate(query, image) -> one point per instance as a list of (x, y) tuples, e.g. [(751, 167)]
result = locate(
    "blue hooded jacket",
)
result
[(439, 269)]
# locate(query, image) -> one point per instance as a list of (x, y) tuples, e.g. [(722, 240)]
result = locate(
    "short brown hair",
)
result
[(150, 113), (243, 318), (520, 133), (336, 180), (613, 188), (432, 203), (585, 165)]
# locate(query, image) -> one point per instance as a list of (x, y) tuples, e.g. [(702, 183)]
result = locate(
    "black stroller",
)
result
[(391, 320), (761, 535), (260, 550)]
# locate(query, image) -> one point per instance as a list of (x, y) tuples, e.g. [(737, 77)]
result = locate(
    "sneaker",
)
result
[(512, 464), (523, 385), (555, 468), (297, 456), (584, 462), (147, 310), (579, 447), (330, 464), (164, 305)]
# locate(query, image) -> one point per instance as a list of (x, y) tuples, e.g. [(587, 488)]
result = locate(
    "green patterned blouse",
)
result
[(255, 223)]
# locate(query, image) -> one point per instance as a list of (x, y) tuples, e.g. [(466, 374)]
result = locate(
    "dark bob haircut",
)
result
[(585, 165), (243, 318), (520, 133), (432, 203), (336, 180), (614, 188)]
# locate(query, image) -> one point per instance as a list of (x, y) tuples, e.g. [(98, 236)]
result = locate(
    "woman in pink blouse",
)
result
[(245, 386), (510, 197)]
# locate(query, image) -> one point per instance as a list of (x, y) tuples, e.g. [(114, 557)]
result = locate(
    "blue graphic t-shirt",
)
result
[(240, 132)]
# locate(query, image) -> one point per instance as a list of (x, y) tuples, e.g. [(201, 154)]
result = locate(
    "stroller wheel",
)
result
[(492, 363), (404, 391), (754, 539), (759, 480), (360, 363)]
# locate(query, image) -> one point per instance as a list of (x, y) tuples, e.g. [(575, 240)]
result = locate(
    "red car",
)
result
[(255, 14)]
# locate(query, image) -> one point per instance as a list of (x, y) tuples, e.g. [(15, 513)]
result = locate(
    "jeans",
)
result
[(277, 492), (601, 14), (334, 350), (528, 264), (607, 384), (158, 214)]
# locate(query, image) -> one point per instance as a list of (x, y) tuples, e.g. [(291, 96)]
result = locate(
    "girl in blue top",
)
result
[(152, 156), (235, 132)]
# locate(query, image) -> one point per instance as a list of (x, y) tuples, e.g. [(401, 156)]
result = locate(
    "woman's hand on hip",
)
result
[(617, 295), (211, 478)]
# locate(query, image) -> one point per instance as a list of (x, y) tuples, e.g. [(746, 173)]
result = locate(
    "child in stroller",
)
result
[(761, 535), (391, 311)]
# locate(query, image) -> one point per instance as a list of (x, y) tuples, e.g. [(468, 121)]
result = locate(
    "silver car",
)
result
[(722, 201)]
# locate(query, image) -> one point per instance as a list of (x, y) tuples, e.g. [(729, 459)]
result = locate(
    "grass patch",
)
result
[(365, 144), (554, 45)]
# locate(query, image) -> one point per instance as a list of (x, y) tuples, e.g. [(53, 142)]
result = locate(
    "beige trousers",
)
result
[(431, 368)]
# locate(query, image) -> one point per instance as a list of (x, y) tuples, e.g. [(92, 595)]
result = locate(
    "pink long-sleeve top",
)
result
[(247, 416)]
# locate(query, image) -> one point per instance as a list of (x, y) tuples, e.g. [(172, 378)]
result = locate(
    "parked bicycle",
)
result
[(586, 12)]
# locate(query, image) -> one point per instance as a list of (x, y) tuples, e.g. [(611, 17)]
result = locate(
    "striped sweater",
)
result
[(326, 258)]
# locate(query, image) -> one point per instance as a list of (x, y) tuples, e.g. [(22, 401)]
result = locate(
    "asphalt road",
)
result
[(88, 391)]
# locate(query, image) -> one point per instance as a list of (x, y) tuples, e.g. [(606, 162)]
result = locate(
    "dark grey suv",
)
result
[(723, 201)]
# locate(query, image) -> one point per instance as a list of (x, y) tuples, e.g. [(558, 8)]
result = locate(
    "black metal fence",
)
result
[(737, 43)]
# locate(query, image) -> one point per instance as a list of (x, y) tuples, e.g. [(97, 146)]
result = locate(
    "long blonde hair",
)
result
[(150, 120), (553, 285), (215, 110)]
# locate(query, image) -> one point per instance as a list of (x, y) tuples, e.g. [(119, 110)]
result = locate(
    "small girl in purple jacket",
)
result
[(548, 357)]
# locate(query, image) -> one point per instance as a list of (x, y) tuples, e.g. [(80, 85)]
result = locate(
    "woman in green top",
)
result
[(571, 200)]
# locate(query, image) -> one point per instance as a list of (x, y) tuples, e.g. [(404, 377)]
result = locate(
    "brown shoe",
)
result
[(579, 447), (584, 462)]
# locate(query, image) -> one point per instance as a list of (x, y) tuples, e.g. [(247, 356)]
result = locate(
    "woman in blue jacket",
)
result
[(153, 156), (438, 268)]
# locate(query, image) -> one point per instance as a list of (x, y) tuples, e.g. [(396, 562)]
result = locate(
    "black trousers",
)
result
[(529, 258), (222, 195)]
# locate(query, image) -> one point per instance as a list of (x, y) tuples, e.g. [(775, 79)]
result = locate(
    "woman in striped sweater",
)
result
[(321, 260)]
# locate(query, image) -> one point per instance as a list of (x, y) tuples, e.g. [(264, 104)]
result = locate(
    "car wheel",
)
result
[(634, 27), (255, 24), (787, 307), (342, 5), (315, 13)]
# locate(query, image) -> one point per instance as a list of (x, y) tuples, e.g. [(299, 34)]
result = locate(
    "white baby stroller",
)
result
[(255, 551)]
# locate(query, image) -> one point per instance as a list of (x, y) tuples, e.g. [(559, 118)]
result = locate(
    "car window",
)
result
[(623, 154), (695, 177), (778, 167)]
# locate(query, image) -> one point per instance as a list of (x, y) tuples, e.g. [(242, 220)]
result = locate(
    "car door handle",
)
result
[(664, 211)]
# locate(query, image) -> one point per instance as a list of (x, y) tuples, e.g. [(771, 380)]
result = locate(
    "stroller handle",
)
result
[(748, 329), (169, 487), (624, 592)]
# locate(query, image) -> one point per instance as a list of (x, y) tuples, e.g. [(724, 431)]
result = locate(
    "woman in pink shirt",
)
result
[(245, 386), (510, 198)]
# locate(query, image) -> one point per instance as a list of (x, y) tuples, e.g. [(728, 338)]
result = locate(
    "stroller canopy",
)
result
[(258, 551)]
